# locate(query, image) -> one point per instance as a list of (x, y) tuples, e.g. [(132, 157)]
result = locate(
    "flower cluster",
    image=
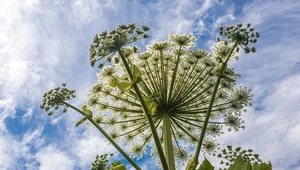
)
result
[(243, 36), (101, 162), (229, 155), (106, 44), (176, 80), (54, 99)]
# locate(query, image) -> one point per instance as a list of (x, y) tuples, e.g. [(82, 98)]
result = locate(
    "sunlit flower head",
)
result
[(179, 82)]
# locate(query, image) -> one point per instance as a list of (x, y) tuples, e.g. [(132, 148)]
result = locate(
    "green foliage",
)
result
[(100, 162), (206, 165), (88, 114), (191, 165), (239, 163), (80, 121), (137, 75), (229, 155), (151, 105), (262, 166), (117, 166), (124, 85)]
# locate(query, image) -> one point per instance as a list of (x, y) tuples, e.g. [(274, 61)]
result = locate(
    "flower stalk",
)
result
[(106, 136), (146, 111), (210, 106), (168, 144)]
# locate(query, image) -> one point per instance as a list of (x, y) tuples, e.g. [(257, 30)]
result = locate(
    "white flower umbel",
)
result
[(180, 82)]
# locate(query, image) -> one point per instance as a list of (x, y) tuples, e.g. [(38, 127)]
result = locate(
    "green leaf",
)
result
[(262, 166), (154, 95), (240, 164), (113, 83), (219, 69), (206, 165), (151, 105), (191, 165), (227, 78), (124, 85), (87, 112), (80, 121), (137, 74), (117, 166)]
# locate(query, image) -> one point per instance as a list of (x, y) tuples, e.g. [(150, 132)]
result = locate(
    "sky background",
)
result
[(44, 43)]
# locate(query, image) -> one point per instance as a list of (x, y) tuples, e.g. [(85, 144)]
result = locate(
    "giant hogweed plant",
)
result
[(172, 95)]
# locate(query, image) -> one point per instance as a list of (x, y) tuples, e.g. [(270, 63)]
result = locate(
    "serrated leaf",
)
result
[(240, 164), (124, 85), (80, 121), (87, 112), (262, 166), (206, 165), (137, 74), (191, 165)]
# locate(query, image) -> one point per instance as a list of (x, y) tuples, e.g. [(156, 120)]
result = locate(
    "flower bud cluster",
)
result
[(106, 43), (54, 98), (243, 36), (229, 155)]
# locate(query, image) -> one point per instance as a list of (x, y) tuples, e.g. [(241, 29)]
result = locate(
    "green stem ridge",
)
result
[(106, 136), (168, 141), (207, 115), (149, 117)]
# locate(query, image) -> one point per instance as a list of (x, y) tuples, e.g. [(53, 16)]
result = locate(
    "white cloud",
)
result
[(89, 146), (84, 12), (205, 6), (273, 74), (273, 134), (6, 154), (260, 11), (51, 158), (14, 148), (28, 114)]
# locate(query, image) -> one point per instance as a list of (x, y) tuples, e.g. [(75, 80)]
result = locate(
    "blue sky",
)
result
[(44, 43)]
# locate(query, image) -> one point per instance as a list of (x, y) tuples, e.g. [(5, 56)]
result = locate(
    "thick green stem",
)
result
[(209, 109), (149, 117), (168, 141), (106, 136)]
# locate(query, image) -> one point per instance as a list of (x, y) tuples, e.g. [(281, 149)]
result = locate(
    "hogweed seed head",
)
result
[(107, 44), (53, 99)]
